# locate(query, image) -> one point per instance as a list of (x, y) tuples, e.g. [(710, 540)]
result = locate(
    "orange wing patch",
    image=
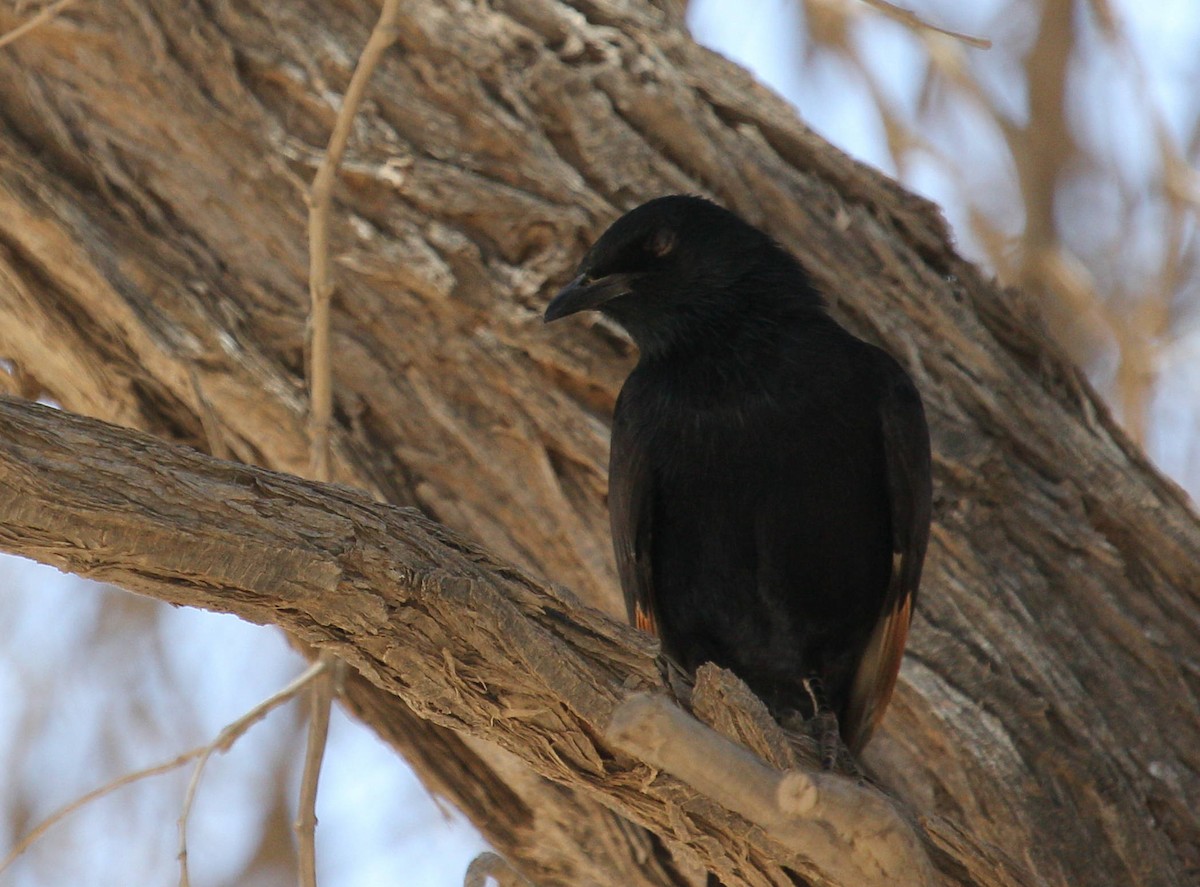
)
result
[(877, 672), (644, 620)]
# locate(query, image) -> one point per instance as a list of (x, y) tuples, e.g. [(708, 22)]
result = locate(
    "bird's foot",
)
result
[(824, 723), (823, 726), (829, 739)]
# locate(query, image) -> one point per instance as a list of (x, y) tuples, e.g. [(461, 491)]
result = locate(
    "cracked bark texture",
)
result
[(467, 641), (153, 163)]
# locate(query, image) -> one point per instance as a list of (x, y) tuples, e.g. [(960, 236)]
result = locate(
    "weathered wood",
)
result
[(466, 641), (152, 272), (849, 832)]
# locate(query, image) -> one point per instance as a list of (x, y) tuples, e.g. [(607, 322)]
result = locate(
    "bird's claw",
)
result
[(829, 738)]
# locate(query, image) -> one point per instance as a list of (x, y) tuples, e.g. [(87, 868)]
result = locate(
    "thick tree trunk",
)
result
[(153, 161)]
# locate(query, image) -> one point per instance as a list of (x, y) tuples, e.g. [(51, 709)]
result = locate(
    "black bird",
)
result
[(769, 480)]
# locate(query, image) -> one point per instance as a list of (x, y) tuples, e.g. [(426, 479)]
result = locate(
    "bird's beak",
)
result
[(582, 294)]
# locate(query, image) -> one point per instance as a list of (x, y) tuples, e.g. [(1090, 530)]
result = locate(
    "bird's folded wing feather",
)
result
[(630, 506), (907, 461)]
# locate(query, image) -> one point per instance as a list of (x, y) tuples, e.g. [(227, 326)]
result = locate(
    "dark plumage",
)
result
[(770, 473)]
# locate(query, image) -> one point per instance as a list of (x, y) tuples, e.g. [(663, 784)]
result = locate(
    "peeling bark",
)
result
[(152, 273)]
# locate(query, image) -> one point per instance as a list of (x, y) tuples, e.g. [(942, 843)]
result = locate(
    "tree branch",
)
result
[(851, 833), (152, 271), (467, 641)]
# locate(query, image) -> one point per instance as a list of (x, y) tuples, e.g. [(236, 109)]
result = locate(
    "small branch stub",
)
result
[(851, 832)]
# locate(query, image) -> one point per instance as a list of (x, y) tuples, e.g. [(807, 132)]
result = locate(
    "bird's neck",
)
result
[(721, 325)]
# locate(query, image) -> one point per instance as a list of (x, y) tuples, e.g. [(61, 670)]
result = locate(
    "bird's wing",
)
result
[(630, 508), (908, 468)]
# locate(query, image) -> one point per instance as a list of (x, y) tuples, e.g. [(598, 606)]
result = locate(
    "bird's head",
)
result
[(674, 263)]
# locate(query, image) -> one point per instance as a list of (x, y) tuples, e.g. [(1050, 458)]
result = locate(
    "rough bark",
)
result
[(468, 642), (152, 273)]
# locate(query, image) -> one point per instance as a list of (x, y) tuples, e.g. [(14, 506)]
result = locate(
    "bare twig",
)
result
[(320, 420), (108, 788), (320, 281), (226, 738), (203, 752), (849, 830), (37, 21), (910, 19), (323, 691)]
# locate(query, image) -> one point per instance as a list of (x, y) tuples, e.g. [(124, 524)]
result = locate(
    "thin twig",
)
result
[(36, 22), (227, 737), (221, 743), (58, 816), (320, 416), (320, 282), (912, 20), (320, 704)]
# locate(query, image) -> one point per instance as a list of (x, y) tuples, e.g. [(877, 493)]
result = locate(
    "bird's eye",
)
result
[(661, 242)]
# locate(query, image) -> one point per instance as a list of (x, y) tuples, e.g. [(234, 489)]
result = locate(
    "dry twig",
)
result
[(320, 369), (322, 693), (108, 788), (910, 19), (226, 738), (202, 752), (320, 280)]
